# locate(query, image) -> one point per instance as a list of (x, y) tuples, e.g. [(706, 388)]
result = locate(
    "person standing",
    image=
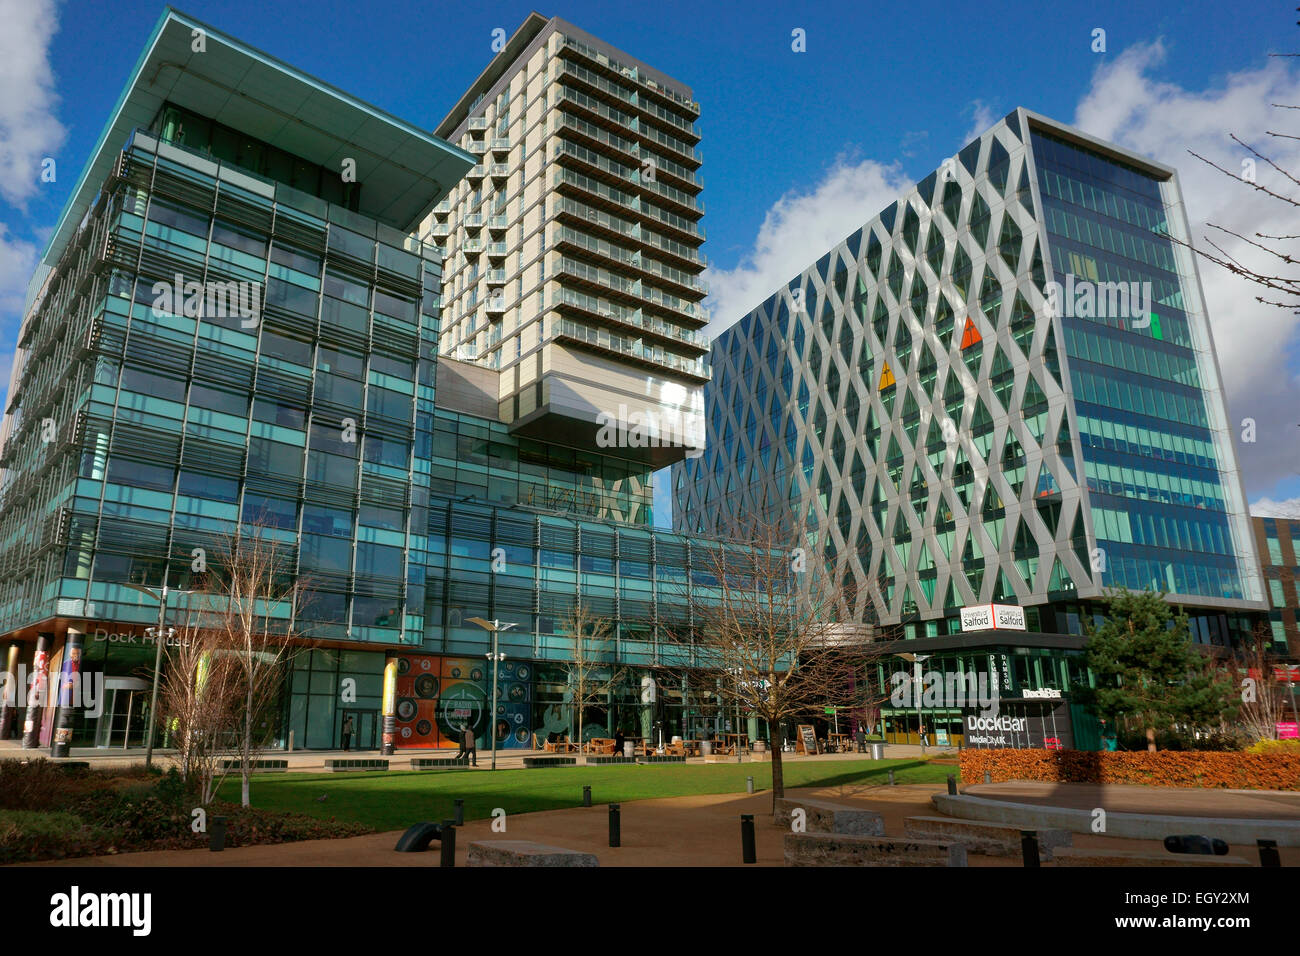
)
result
[(468, 746), (347, 733)]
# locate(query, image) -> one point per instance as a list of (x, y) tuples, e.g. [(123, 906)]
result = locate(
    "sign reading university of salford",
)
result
[(993, 617)]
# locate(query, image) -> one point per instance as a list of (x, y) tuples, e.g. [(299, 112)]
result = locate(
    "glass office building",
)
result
[(1002, 389), (234, 321)]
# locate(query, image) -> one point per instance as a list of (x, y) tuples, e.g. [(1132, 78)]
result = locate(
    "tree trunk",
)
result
[(245, 768), (1151, 739), (778, 769)]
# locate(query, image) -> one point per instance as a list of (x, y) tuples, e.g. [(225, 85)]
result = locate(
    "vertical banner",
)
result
[(389, 728), (9, 700), (69, 693), (38, 692)]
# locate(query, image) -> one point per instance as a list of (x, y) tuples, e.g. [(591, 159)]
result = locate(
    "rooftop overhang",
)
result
[(403, 170), (1111, 150), (496, 68)]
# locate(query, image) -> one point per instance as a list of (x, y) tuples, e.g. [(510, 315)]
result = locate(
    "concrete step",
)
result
[(526, 853), (1073, 857), (847, 849), (820, 816), (990, 839)]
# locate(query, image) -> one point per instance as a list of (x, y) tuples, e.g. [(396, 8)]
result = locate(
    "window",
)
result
[(1275, 589)]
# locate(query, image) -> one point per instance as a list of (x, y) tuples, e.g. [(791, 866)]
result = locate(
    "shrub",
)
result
[(30, 784), (1275, 747), (1165, 768), (43, 835)]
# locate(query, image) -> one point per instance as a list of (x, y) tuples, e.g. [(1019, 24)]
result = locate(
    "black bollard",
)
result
[(891, 778), (747, 838), (1029, 847), (952, 785), (217, 835), (1268, 855), (614, 826), (447, 850), (460, 812), (586, 796)]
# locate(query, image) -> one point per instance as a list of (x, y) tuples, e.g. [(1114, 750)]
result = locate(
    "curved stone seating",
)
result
[(978, 836), (847, 849), (824, 817), (525, 853)]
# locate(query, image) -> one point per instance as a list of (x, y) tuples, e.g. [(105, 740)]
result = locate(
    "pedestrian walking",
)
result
[(468, 747), (348, 728)]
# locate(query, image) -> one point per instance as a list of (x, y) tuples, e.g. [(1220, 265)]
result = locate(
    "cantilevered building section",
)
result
[(572, 246), (1001, 389)]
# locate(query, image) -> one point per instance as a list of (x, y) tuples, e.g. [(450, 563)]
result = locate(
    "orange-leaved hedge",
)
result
[(1164, 768)]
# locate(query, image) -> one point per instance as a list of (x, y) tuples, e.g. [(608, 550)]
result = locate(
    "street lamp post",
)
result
[(916, 692), (495, 627), (160, 635)]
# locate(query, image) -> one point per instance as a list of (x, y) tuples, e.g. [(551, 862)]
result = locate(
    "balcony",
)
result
[(443, 207), (471, 247), (500, 144), (440, 230), (497, 249), (477, 123), (500, 221), (495, 305), (476, 172), (499, 170), (474, 221), (568, 44), (624, 348), (496, 276)]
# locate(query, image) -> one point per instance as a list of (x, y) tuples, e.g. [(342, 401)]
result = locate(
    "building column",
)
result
[(12, 687), (38, 693), (69, 693), (389, 714)]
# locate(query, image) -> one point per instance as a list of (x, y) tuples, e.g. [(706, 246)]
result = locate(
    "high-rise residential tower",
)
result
[(572, 246)]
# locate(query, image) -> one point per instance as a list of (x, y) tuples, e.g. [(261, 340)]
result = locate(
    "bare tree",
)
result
[(781, 627), (200, 696), (252, 602), (1264, 698), (591, 672)]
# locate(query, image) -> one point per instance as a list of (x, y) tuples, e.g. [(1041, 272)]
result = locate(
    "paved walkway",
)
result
[(680, 831), (313, 761)]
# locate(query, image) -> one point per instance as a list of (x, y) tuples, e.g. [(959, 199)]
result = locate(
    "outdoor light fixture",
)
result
[(160, 634), (916, 659), (496, 658)]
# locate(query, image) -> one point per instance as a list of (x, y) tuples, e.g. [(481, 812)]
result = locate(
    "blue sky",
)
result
[(796, 145)]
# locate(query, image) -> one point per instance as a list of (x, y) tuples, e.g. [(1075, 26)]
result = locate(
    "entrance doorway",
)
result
[(365, 724), (125, 717)]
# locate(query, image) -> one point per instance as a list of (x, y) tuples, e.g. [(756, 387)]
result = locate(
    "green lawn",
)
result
[(395, 800)]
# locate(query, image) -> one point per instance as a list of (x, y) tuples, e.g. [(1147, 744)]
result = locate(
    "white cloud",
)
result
[(1257, 344), (984, 116), (1268, 508), (798, 230), (17, 262), (29, 131)]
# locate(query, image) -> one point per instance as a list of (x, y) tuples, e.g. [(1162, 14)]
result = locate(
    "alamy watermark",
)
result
[(1087, 299), (651, 428), (949, 691), (193, 299)]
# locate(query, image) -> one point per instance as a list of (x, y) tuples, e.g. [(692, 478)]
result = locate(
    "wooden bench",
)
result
[(978, 836), (823, 817), (336, 765), (532, 762), (848, 849), (271, 765), (438, 763), (525, 853)]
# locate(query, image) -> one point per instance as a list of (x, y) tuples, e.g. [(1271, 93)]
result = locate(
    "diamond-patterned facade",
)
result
[(906, 397)]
